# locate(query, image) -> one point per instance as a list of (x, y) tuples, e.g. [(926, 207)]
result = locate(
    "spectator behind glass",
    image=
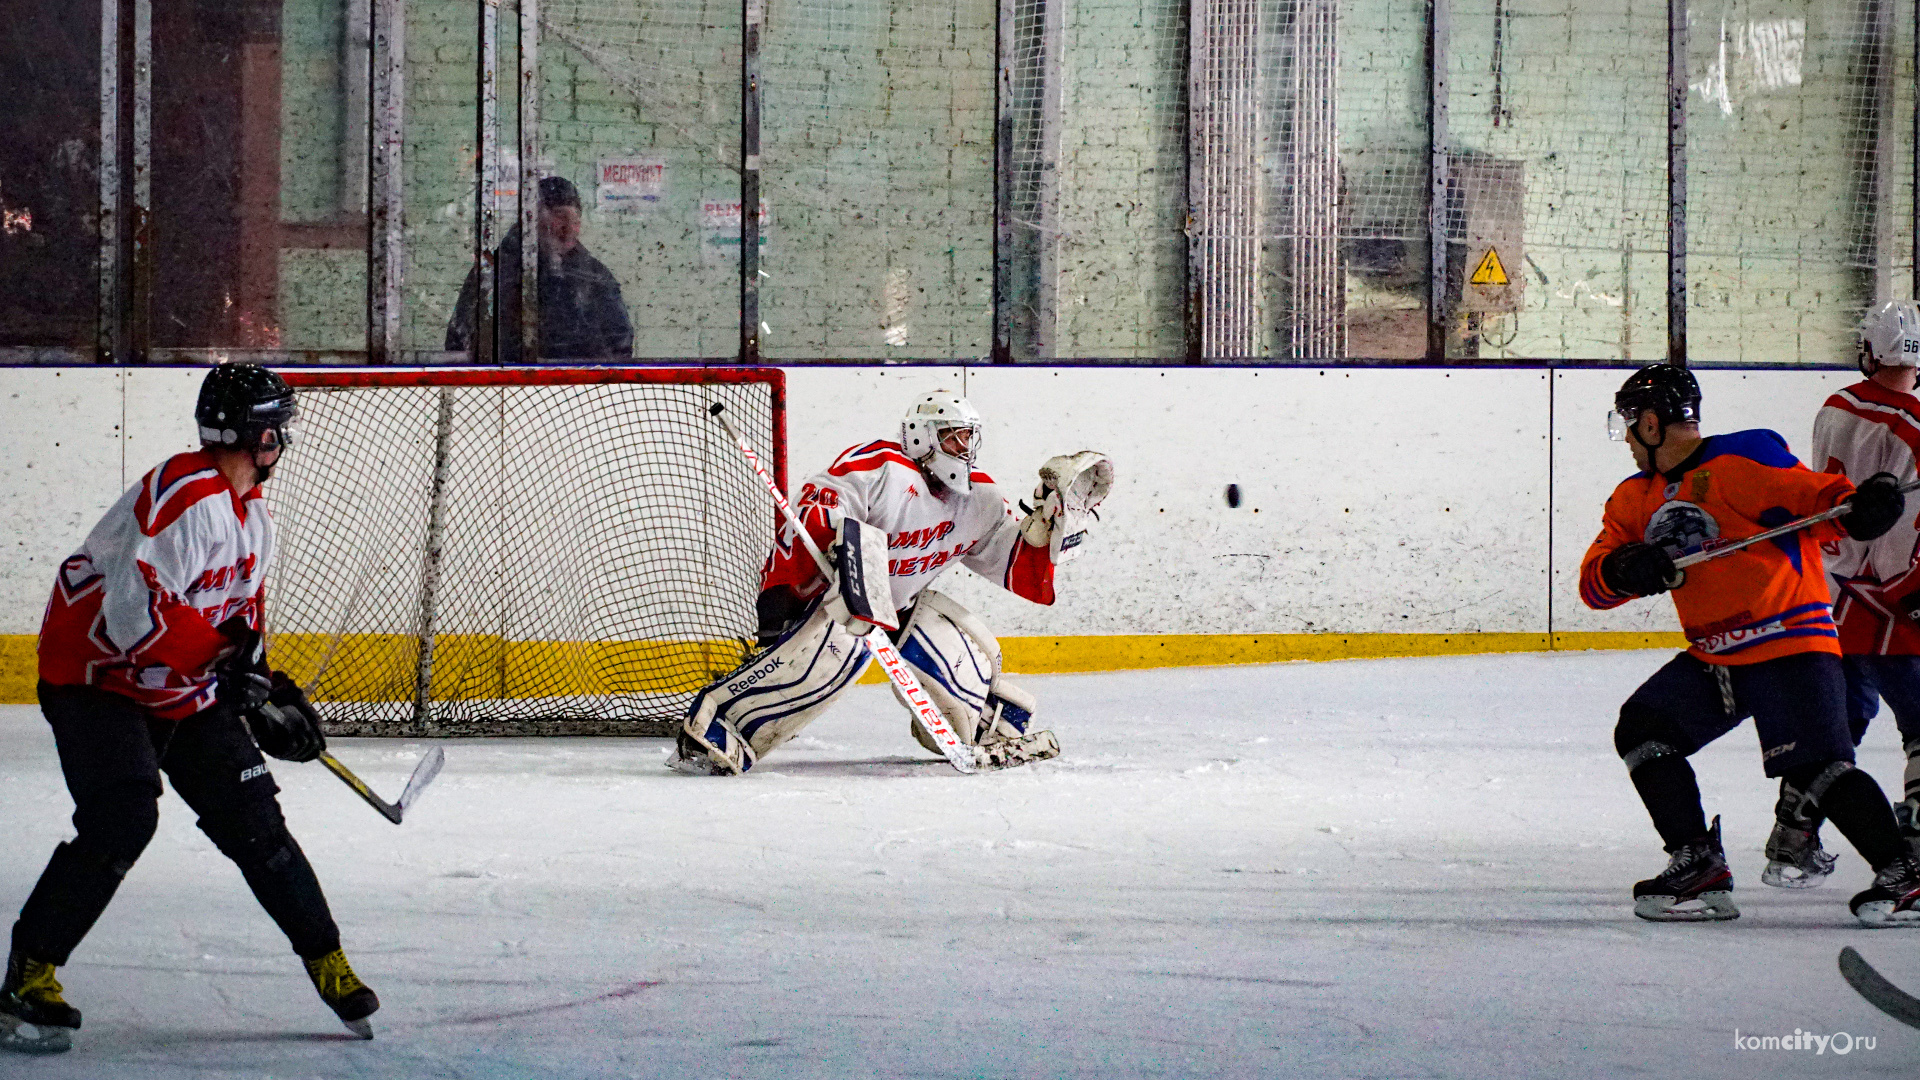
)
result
[(582, 316)]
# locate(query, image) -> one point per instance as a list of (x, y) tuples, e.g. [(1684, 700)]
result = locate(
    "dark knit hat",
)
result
[(558, 191)]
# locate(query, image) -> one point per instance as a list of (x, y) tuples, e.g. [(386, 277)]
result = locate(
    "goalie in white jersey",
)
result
[(1867, 429), (922, 501)]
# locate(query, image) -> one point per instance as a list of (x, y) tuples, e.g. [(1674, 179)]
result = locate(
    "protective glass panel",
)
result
[(49, 176), (258, 178), (640, 111), (1557, 207), (878, 178), (1111, 216), (440, 149), (1383, 173), (1799, 144)]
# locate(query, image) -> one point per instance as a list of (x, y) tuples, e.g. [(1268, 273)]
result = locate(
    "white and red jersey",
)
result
[(880, 486), (134, 610), (1862, 430)]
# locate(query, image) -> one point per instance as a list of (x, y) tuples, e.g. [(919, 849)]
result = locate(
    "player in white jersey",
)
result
[(935, 510), (151, 662), (1870, 428)]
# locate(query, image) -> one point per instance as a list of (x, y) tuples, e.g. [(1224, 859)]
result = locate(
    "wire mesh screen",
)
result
[(876, 161), (517, 559), (1799, 141)]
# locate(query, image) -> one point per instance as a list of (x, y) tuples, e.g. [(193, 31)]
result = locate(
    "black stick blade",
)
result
[(1879, 993)]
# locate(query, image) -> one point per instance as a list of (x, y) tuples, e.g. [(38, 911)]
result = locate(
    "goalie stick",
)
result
[(1714, 551), (1879, 993), (961, 756)]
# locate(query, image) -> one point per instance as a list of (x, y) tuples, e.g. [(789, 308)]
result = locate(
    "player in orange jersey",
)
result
[(1762, 637)]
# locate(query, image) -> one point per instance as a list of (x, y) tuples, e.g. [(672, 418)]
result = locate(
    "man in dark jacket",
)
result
[(582, 316)]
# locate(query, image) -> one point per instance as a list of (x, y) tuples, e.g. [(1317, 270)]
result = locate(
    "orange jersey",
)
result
[(1761, 602)]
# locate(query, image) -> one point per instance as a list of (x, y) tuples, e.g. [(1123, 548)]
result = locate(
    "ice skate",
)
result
[(1894, 897), (349, 998), (1696, 886), (1005, 753), (1795, 859), (689, 758), (33, 1017), (1907, 813)]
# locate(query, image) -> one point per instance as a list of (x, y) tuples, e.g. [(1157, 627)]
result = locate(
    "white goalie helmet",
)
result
[(930, 425), (1890, 336)]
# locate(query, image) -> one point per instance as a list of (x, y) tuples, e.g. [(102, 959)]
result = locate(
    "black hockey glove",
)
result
[(1876, 505), (241, 677), (285, 725), (1640, 569)]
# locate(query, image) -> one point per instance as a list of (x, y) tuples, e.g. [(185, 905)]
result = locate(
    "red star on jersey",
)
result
[(911, 490)]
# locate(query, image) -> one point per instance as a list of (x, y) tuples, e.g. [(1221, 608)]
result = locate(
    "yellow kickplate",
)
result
[(381, 666)]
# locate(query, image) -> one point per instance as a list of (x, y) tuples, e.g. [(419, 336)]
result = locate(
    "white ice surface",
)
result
[(1386, 868)]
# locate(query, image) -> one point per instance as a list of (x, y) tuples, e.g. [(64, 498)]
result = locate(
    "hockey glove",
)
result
[(240, 677), (1640, 570), (285, 725), (1875, 506)]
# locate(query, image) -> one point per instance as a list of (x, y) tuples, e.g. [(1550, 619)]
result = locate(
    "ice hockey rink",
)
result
[(1385, 868)]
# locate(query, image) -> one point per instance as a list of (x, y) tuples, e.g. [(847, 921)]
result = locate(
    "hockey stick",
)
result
[(1715, 550), (959, 754), (1879, 993), (423, 774), (430, 762)]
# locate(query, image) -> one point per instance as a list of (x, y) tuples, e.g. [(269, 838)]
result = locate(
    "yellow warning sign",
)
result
[(1489, 272)]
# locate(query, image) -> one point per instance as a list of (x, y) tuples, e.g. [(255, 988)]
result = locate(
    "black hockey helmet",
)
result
[(240, 403), (1670, 391)]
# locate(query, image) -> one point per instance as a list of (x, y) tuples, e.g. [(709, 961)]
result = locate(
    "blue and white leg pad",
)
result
[(957, 660), (767, 700)]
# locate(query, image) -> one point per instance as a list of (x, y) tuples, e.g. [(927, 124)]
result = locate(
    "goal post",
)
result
[(518, 550)]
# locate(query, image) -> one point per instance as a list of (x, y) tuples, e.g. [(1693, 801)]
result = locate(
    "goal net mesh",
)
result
[(496, 552)]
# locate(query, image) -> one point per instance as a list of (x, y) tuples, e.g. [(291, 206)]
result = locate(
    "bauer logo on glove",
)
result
[(1067, 502)]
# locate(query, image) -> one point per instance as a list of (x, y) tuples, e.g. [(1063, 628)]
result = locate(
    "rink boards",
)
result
[(1382, 512)]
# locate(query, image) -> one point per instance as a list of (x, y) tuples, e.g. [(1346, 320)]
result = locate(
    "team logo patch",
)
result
[(1680, 527)]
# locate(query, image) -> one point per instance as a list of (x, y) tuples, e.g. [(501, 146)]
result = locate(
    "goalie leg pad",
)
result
[(770, 698), (957, 660)]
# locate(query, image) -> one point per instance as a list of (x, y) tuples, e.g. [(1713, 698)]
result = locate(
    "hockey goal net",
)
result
[(513, 551)]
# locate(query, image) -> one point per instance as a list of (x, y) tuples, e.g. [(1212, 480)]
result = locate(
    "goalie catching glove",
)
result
[(286, 726), (1067, 502)]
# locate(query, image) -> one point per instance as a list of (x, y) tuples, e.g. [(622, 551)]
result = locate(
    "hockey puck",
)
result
[(1233, 496)]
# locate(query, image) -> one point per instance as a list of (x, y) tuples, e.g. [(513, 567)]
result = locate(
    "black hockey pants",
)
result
[(113, 752)]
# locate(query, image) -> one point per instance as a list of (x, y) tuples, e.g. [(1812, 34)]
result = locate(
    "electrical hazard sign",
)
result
[(1489, 272)]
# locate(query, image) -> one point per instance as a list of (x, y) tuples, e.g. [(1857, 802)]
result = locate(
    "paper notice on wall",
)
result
[(629, 185), (720, 230)]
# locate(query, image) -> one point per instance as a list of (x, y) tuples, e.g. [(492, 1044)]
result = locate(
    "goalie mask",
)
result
[(942, 435), (1890, 337)]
